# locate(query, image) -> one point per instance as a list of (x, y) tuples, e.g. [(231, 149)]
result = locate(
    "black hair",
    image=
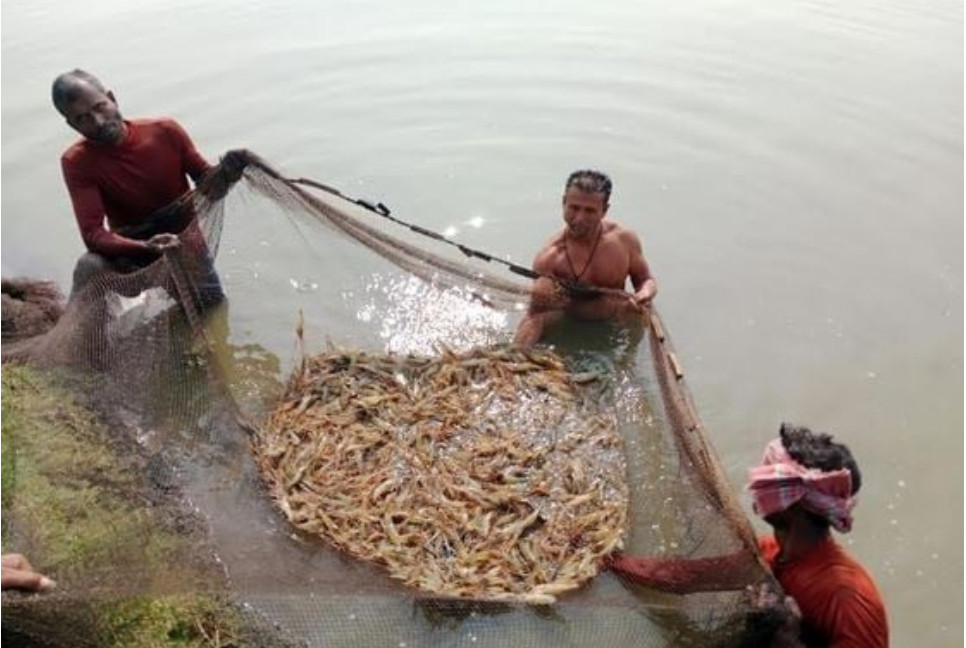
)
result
[(590, 181), (66, 87), (818, 450)]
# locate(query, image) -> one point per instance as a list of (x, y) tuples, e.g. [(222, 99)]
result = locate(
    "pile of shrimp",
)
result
[(492, 474)]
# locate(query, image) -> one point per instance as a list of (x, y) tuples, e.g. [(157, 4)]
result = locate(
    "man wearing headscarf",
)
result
[(804, 487)]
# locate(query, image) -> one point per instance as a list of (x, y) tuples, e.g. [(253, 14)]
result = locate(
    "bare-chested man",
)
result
[(590, 251)]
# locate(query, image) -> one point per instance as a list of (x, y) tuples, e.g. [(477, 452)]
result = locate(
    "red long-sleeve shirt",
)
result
[(841, 606), (128, 182)]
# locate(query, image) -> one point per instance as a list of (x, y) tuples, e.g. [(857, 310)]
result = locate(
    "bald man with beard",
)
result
[(123, 174)]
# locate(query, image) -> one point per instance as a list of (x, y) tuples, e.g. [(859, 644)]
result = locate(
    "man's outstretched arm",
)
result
[(219, 179), (85, 197), (686, 575), (773, 616), (542, 309), (645, 287)]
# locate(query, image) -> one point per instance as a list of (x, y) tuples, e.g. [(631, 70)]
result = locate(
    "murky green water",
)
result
[(795, 170)]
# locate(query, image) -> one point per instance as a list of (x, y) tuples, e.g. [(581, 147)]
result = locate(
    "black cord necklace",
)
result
[(593, 250)]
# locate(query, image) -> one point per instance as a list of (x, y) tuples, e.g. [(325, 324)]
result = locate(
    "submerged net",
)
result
[(502, 509)]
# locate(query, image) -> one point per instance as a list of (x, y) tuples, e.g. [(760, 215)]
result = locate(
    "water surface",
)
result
[(795, 170)]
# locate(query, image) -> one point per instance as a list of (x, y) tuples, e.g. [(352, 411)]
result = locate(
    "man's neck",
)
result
[(802, 543), (125, 133)]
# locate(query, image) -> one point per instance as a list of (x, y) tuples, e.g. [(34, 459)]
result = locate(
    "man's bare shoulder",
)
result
[(546, 258), (624, 235), (554, 244)]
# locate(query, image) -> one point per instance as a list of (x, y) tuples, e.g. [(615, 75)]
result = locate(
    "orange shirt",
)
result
[(841, 606), (128, 182)]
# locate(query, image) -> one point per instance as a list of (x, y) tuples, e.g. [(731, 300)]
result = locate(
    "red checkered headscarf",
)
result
[(781, 482)]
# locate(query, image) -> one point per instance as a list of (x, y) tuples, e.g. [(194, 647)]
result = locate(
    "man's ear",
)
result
[(606, 207)]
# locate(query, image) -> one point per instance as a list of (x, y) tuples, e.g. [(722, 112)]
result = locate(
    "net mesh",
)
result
[(152, 351)]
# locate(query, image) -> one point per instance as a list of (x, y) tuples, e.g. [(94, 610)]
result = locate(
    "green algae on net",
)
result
[(125, 554)]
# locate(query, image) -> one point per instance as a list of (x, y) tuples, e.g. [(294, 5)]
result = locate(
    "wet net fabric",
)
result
[(191, 376)]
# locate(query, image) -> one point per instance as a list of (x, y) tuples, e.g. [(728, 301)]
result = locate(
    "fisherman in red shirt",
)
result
[(123, 175), (805, 486)]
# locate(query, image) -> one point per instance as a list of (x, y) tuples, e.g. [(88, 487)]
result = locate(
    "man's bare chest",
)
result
[(606, 266)]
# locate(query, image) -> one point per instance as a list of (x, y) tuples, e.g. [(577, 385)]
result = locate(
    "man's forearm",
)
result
[(111, 244), (215, 184), (647, 290), (220, 178), (685, 575), (530, 330)]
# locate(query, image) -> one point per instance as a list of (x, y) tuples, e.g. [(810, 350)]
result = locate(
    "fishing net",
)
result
[(30, 309), (415, 481)]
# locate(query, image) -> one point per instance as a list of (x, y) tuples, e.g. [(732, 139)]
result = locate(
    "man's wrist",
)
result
[(149, 248)]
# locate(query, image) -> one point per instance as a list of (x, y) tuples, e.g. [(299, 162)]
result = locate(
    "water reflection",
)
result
[(415, 317)]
